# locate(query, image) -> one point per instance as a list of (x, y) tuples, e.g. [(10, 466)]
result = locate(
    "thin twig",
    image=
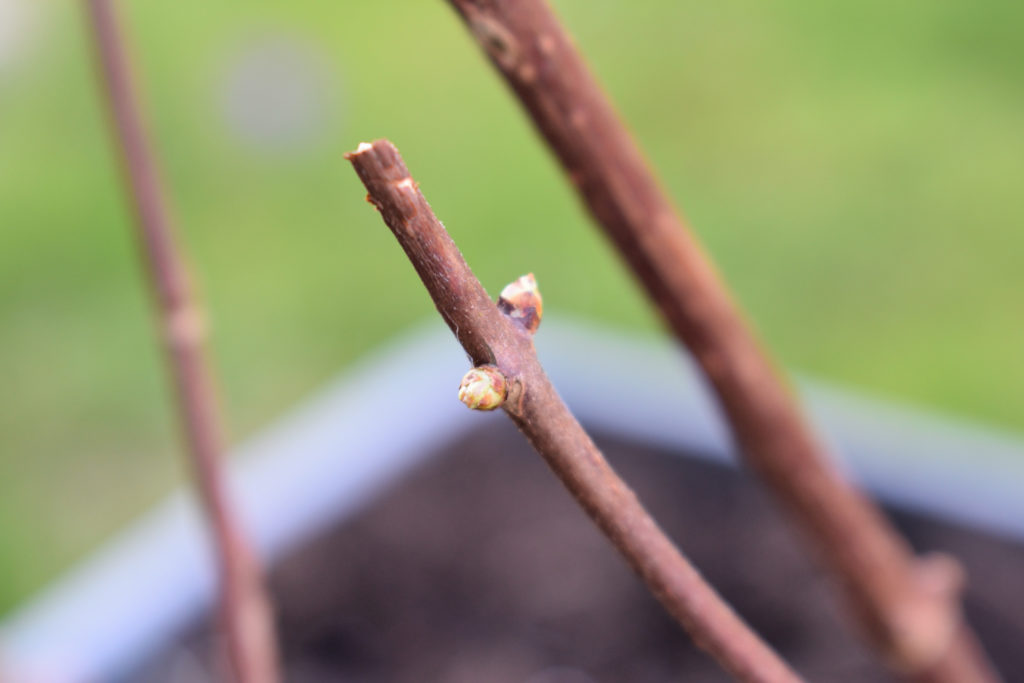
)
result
[(499, 342), (908, 609), (244, 607)]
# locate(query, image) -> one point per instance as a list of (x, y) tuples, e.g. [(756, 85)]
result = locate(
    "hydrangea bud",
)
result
[(521, 301), (483, 388)]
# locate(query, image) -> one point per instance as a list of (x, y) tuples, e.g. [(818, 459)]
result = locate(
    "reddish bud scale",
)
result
[(521, 301)]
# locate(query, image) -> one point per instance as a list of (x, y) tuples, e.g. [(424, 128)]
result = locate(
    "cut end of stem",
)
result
[(363, 148), (521, 301), (483, 388)]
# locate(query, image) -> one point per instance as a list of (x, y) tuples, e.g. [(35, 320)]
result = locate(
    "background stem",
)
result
[(915, 624), (243, 607)]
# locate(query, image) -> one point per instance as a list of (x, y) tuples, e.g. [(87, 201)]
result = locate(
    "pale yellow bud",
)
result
[(483, 388)]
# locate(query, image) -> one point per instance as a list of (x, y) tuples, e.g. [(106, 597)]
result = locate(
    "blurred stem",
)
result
[(909, 610), (244, 608), (501, 340)]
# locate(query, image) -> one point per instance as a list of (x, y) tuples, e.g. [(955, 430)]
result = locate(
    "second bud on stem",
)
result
[(521, 301)]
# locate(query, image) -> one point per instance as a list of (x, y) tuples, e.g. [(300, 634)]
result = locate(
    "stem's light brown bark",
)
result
[(908, 610), (503, 341), (244, 608)]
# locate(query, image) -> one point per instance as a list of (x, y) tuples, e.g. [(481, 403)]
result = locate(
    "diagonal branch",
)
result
[(498, 339), (908, 609), (244, 607)]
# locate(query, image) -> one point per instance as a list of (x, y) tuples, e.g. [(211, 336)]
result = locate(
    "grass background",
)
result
[(854, 168)]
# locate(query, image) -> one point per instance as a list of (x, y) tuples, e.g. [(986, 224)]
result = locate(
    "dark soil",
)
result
[(478, 568)]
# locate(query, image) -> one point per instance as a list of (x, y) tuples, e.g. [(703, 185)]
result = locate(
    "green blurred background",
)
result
[(854, 168)]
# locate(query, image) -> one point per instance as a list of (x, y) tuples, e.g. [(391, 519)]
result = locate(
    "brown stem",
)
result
[(916, 626), (503, 340), (244, 608)]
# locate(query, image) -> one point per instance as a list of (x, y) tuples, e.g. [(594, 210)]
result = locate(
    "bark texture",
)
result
[(504, 340)]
